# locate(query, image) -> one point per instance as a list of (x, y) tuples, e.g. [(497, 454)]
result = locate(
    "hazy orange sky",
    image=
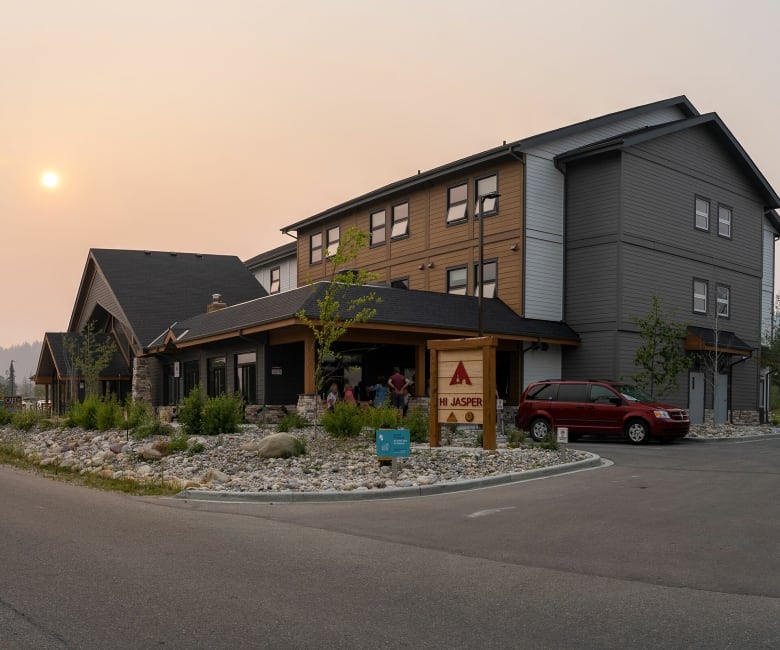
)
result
[(206, 126)]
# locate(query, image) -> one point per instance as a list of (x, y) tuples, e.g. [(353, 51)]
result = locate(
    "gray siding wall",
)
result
[(768, 279), (631, 235), (288, 274), (544, 212)]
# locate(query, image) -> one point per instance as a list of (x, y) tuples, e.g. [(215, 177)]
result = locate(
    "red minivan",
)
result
[(600, 408)]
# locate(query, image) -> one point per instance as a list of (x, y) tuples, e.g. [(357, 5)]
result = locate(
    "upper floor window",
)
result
[(700, 296), (491, 279), (400, 283), (377, 224), (315, 248), (485, 186), (400, 221), (457, 279), (333, 241), (724, 300), (702, 221), (724, 221), (276, 280), (457, 202)]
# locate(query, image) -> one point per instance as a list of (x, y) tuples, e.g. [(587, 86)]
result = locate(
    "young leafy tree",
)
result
[(88, 356), (660, 358), (337, 310)]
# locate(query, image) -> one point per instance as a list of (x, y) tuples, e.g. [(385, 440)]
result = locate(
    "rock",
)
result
[(278, 445), (149, 453), (215, 476)]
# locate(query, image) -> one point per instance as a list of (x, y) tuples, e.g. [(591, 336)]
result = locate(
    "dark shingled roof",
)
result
[(725, 340), (54, 358), (155, 289), (275, 254), (398, 308), (711, 120)]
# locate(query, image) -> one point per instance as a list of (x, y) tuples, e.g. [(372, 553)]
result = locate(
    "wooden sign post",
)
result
[(463, 386)]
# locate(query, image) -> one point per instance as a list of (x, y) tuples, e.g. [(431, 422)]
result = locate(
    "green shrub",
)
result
[(191, 412), (84, 414), (177, 443), (344, 421), (291, 421), (515, 437), (417, 422), (138, 413), (222, 414), (109, 415), (382, 417), (151, 428), (5, 416), (25, 420)]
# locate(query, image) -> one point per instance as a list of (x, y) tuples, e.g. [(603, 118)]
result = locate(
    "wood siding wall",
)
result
[(432, 243)]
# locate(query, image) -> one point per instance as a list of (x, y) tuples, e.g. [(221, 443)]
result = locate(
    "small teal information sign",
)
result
[(393, 443)]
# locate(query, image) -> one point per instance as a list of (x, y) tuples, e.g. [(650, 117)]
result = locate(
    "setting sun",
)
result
[(50, 179)]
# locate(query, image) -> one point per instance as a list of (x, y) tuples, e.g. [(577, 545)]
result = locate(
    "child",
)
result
[(349, 396), (333, 397)]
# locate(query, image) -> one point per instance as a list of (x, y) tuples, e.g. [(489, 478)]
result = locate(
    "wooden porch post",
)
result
[(308, 364)]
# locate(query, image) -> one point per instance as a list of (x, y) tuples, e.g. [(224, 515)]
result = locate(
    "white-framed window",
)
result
[(276, 280), (315, 248), (700, 296), (723, 293), (334, 234), (483, 186), (377, 221), (457, 280), (491, 279), (399, 226), (457, 203), (724, 221), (702, 216)]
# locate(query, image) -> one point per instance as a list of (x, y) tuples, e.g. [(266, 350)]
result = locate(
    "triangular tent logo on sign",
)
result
[(460, 376)]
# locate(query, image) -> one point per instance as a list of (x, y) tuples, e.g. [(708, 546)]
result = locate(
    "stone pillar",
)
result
[(142, 384)]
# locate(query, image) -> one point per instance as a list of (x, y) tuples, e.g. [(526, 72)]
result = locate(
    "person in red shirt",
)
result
[(398, 388)]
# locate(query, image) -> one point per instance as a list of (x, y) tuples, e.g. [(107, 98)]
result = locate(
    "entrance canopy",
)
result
[(704, 339)]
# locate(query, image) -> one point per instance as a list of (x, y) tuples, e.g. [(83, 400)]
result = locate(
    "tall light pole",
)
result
[(481, 285)]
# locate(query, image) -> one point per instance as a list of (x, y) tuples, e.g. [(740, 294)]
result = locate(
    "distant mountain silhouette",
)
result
[(25, 358)]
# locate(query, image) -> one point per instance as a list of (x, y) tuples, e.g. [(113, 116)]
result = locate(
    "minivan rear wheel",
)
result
[(637, 432), (540, 429)]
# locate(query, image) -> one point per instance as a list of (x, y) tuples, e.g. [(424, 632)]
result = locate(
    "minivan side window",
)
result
[(573, 393), (601, 394), (543, 391)]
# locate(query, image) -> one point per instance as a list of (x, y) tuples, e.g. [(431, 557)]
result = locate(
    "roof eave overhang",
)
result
[(491, 155)]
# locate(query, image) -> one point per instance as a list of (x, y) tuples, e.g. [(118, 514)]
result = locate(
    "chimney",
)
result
[(216, 303)]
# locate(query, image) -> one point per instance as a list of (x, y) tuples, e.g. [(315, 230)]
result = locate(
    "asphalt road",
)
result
[(672, 546)]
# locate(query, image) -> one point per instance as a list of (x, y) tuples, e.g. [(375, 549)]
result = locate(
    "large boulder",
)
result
[(279, 445)]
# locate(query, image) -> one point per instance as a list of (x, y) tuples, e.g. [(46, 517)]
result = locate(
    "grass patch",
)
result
[(12, 453)]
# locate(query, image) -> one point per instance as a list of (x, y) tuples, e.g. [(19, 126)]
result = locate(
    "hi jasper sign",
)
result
[(464, 385)]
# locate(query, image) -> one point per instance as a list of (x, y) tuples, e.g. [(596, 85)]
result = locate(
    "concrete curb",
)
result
[(760, 436), (390, 493)]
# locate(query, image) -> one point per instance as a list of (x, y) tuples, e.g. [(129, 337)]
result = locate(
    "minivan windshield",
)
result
[(633, 393)]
